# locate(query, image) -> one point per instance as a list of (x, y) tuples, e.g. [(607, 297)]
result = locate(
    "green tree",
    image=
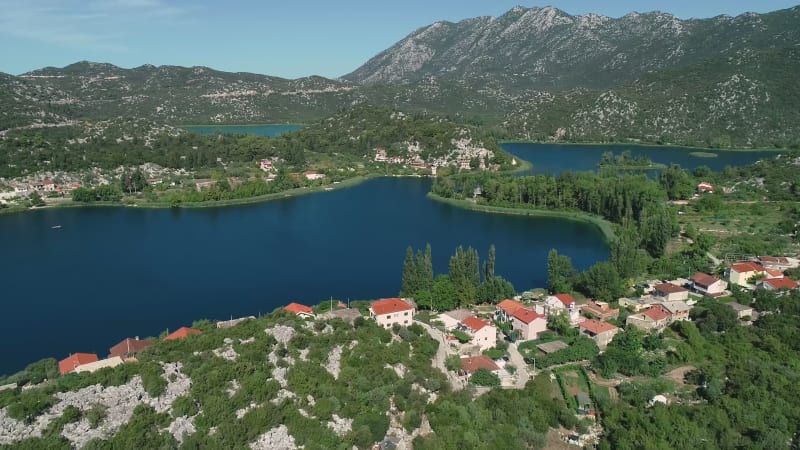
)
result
[(602, 281), (410, 276), (465, 275), (560, 272), (36, 199)]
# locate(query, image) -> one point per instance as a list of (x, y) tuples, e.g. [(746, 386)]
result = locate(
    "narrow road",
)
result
[(438, 361), (522, 374)]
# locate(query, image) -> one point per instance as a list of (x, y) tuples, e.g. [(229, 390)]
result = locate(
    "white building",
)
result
[(390, 311), (482, 332)]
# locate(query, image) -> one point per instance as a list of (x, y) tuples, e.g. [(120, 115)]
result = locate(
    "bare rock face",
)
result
[(181, 427), (334, 364), (340, 425), (277, 438), (281, 333), (118, 401)]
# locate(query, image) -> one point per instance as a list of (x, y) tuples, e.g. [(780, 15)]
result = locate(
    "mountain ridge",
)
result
[(541, 45)]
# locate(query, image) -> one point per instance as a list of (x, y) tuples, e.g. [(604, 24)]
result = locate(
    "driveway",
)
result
[(440, 357), (522, 374)]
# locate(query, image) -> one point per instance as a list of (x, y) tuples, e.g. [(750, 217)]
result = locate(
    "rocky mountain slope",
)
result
[(185, 94), (547, 49), (534, 73)]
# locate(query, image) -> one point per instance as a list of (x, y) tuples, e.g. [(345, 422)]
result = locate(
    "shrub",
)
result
[(484, 377)]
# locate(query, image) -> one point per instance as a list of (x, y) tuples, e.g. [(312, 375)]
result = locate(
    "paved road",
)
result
[(522, 374)]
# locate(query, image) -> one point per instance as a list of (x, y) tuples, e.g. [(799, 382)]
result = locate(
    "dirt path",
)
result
[(677, 375)]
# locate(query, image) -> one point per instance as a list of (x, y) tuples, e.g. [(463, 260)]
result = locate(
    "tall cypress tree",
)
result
[(410, 278)]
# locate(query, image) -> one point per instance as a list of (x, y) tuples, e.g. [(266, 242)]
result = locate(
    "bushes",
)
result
[(484, 377)]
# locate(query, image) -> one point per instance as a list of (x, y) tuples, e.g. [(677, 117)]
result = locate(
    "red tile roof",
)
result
[(657, 313), (669, 288), (526, 315), (297, 308), (773, 259), (510, 306), (704, 279), (747, 267), (389, 306), (705, 186), (596, 326), (774, 273), (128, 347), (181, 333), (566, 299), (471, 365), (74, 360), (475, 324), (781, 283)]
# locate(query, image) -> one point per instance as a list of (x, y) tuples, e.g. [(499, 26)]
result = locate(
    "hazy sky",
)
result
[(288, 38)]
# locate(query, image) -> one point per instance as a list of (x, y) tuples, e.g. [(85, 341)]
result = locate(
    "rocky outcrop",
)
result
[(118, 402), (334, 363), (277, 438)]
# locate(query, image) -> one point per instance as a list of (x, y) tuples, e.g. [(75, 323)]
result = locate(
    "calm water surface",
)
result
[(256, 130), (109, 273), (557, 158)]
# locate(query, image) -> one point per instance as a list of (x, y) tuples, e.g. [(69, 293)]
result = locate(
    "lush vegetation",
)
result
[(464, 285), (743, 393)]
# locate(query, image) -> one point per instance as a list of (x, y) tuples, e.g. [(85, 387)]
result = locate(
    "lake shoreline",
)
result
[(641, 144), (605, 227)]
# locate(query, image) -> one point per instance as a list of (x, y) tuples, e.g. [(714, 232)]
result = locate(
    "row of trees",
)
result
[(465, 284), (629, 200)]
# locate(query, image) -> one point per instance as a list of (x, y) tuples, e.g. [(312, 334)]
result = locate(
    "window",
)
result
[(406, 313)]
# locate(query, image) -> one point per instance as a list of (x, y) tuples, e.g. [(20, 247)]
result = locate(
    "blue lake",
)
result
[(110, 273), (271, 130), (557, 158)]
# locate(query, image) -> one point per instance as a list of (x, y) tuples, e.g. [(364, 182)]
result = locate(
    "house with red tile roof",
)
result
[(528, 323), (600, 310), (655, 318), (775, 262), (705, 186), (74, 360), (706, 284), (600, 332), (299, 310), (128, 347), (563, 303), (181, 333), (740, 273), (482, 332), (505, 310), (473, 364), (778, 284), (390, 311), (670, 292)]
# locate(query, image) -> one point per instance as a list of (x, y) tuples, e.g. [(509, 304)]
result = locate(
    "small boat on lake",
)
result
[(55, 227)]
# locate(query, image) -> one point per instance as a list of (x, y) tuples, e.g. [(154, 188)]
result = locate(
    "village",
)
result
[(497, 346)]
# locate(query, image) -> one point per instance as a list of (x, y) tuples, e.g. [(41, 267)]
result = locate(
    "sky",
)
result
[(289, 39)]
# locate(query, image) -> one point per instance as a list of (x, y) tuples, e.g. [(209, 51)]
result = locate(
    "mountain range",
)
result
[(532, 73)]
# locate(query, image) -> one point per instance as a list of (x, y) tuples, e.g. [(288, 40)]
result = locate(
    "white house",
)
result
[(451, 319), (390, 311), (565, 303), (482, 332), (706, 284)]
